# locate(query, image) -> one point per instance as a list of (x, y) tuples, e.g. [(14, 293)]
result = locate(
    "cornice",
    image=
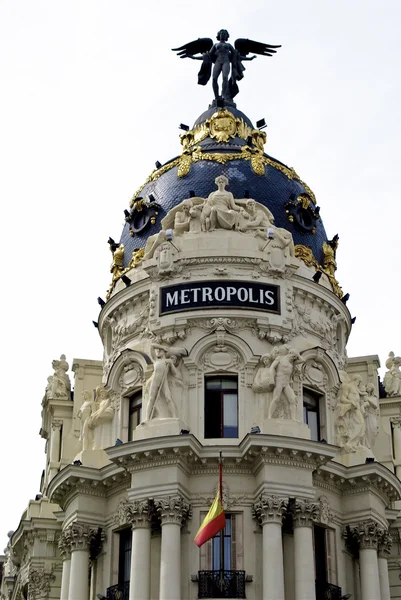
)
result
[(359, 479)]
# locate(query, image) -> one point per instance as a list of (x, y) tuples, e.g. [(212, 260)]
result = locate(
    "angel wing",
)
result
[(199, 46), (245, 46)]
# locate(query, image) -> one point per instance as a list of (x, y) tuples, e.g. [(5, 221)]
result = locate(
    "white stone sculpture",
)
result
[(371, 410), (60, 385), (263, 381), (350, 423), (281, 374), (392, 379), (167, 377), (220, 210), (101, 418), (85, 416), (182, 218)]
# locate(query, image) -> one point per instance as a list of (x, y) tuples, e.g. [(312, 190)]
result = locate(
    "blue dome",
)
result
[(278, 187)]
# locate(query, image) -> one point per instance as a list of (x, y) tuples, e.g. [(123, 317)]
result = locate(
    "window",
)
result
[(325, 557), (124, 563), (311, 413), (135, 413), (221, 407), (227, 557)]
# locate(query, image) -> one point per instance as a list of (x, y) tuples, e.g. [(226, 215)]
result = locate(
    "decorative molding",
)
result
[(39, 583)]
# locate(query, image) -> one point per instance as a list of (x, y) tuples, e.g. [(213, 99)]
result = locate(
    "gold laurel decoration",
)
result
[(184, 166), (257, 164), (153, 176)]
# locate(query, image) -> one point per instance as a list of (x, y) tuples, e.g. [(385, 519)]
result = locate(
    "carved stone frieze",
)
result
[(269, 509), (325, 515), (305, 513), (221, 357), (39, 583), (172, 509)]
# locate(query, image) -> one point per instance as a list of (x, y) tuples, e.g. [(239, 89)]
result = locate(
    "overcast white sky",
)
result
[(91, 96)]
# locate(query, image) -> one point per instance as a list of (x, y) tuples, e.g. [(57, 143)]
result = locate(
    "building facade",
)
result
[(224, 331)]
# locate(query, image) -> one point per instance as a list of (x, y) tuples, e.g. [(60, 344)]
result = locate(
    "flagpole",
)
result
[(222, 531)]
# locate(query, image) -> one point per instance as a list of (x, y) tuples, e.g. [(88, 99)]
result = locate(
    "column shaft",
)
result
[(370, 587), (383, 578), (65, 579), (79, 576), (397, 441), (288, 560), (140, 564), (273, 570), (304, 563), (170, 562)]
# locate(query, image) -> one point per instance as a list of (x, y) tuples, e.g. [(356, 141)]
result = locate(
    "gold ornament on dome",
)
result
[(305, 253), (184, 166), (117, 266), (222, 126)]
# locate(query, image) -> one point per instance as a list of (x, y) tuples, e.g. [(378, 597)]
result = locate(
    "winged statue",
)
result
[(223, 59)]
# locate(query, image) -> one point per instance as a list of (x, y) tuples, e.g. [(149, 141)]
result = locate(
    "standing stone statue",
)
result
[(371, 410), (392, 379), (100, 420), (350, 424), (60, 385), (281, 373), (160, 401), (84, 415)]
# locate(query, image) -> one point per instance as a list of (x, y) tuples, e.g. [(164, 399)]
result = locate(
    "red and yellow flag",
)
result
[(215, 519)]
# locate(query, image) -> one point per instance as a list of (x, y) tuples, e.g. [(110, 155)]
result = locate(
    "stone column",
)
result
[(55, 447), (396, 426), (304, 514), (81, 536), (64, 545), (269, 512), (384, 549), (139, 518), (367, 535), (173, 512)]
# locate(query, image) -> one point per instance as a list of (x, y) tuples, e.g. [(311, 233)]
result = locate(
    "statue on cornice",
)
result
[(227, 61), (60, 385), (100, 419), (392, 379)]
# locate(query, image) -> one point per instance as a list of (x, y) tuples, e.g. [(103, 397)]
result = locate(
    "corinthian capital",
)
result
[(366, 534), (305, 513), (384, 544), (81, 536), (64, 544), (396, 421), (137, 513), (269, 509), (172, 509)]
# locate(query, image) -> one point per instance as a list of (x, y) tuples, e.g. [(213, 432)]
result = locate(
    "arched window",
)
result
[(221, 406), (135, 414), (311, 406)]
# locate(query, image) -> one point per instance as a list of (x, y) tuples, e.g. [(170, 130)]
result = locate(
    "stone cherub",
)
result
[(159, 389)]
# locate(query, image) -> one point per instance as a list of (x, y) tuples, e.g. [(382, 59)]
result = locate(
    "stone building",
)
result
[(224, 330)]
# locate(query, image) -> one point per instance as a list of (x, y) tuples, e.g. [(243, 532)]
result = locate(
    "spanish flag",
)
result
[(215, 519)]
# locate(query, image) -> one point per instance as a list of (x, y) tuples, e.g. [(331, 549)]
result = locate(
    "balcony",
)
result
[(118, 592), (327, 591), (221, 584)]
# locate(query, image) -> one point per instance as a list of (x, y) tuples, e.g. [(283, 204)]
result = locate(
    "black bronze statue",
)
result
[(223, 55)]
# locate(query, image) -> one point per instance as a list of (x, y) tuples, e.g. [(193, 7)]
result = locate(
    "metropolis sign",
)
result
[(218, 294)]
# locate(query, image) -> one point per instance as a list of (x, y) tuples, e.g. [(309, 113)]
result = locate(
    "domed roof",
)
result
[(224, 141)]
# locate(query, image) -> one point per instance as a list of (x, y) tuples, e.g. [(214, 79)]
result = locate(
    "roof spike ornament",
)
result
[(223, 59)]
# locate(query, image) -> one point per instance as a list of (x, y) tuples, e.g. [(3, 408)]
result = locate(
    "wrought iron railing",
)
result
[(327, 591), (221, 584), (118, 592)]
